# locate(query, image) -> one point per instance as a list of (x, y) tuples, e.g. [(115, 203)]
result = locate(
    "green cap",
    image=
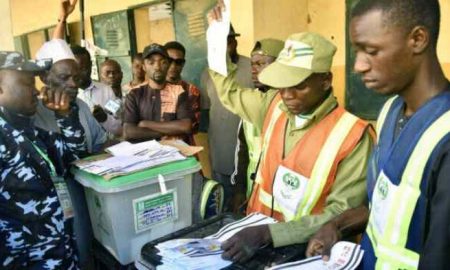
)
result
[(303, 54), (268, 46)]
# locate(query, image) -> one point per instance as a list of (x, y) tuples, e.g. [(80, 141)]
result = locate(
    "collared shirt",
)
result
[(295, 132), (33, 232), (95, 134), (349, 188), (100, 94), (126, 88)]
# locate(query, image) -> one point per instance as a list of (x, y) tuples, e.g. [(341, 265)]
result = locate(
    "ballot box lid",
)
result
[(169, 171)]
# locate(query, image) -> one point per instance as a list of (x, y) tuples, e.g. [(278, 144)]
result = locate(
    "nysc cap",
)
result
[(303, 54), (269, 46)]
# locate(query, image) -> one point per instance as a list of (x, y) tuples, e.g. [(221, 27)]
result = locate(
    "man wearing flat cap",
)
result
[(158, 109), (34, 203), (314, 153)]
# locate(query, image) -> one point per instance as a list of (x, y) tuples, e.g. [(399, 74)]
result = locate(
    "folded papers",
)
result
[(204, 254), (344, 256), (127, 158)]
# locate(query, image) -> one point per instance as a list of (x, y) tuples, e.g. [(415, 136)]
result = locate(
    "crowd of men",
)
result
[(280, 144)]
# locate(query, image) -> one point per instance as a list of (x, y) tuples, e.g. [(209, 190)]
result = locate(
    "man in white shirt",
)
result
[(97, 95)]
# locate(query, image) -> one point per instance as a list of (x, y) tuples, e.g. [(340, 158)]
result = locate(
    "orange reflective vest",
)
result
[(315, 158)]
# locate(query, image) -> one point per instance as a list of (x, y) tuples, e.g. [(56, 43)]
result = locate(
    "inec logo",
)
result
[(383, 188), (292, 181)]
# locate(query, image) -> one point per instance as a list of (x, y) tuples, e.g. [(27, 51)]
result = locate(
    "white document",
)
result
[(191, 254), (231, 229), (344, 256), (128, 164), (113, 106), (137, 149), (216, 37), (128, 158)]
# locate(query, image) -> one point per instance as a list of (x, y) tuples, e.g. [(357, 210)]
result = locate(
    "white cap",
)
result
[(56, 49)]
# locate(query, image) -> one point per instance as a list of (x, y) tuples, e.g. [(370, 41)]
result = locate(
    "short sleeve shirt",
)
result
[(167, 104)]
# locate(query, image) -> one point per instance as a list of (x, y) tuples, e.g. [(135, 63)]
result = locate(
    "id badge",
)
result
[(63, 196), (382, 197), (289, 188)]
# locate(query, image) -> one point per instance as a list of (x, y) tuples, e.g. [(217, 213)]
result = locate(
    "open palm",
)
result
[(67, 7)]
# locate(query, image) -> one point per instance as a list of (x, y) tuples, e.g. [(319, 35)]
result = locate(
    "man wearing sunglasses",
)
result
[(177, 54)]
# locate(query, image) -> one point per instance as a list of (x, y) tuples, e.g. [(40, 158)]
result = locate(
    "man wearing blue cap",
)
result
[(34, 201)]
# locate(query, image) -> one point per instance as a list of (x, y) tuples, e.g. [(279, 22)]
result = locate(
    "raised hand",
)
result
[(66, 8), (215, 14)]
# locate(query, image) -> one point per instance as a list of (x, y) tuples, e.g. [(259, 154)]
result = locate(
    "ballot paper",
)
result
[(344, 256), (128, 158), (231, 229), (143, 149), (204, 254), (216, 37)]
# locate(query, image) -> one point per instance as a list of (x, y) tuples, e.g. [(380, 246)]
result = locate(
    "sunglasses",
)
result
[(178, 62)]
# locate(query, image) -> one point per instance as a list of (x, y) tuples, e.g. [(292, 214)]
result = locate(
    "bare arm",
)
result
[(175, 127), (132, 132), (66, 7)]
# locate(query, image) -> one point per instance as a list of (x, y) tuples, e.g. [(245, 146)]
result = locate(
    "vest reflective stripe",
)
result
[(254, 144), (340, 132), (324, 163), (382, 116), (390, 247), (266, 199), (275, 115), (206, 193), (395, 258)]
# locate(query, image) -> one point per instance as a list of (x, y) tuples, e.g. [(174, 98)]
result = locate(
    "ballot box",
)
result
[(129, 211), (267, 256)]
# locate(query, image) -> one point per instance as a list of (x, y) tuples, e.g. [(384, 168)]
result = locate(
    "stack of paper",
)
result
[(127, 158), (344, 256), (205, 254), (191, 254)]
